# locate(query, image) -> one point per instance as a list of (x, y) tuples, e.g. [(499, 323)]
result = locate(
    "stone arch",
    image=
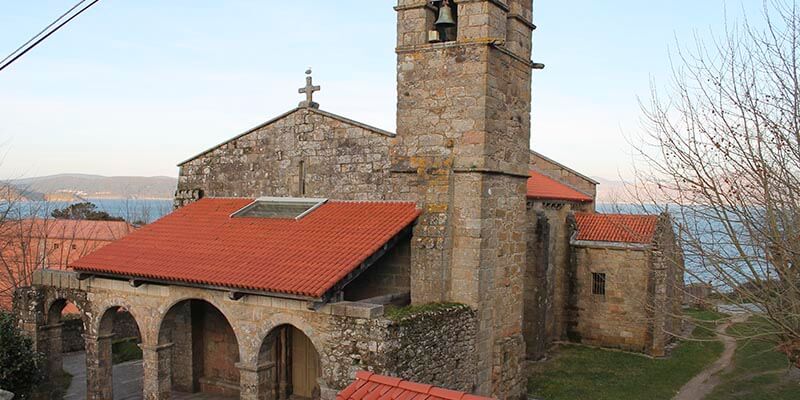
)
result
[(288, 361), (55, 331), (200, 347), (279, 319), (113, 321)]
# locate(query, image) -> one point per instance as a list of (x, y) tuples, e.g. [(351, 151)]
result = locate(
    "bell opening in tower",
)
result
[(445, 27)]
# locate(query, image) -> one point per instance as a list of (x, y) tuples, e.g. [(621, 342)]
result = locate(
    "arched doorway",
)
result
[(203, 350), (295, 365)]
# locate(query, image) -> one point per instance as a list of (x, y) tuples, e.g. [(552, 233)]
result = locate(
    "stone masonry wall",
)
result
[(436, 347), (390, 275), (461, 152), (620, 318), (340, 159), (546, 276)]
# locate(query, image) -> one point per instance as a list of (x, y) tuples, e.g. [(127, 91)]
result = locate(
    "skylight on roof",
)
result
[(279, 208)]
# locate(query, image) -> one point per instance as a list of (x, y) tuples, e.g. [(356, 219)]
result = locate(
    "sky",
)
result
[(131, 88)]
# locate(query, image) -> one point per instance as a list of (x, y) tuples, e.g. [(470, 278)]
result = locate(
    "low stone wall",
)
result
[(435, 345)]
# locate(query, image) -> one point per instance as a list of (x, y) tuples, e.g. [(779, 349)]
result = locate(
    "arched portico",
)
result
[(197, 351)]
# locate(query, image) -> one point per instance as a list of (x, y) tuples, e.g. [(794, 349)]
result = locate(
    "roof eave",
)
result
[(84, 274), (597, 244), (560, 199)]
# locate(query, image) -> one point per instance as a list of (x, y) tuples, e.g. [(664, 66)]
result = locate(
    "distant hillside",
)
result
[(74, 186)]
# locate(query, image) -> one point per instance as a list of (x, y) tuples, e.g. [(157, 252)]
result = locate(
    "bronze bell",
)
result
[(445, 15)]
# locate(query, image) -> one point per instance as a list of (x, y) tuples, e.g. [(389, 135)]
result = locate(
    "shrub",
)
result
[(21, 368)]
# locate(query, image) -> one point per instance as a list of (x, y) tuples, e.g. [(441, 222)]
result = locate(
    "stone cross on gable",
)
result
[(309, 92)]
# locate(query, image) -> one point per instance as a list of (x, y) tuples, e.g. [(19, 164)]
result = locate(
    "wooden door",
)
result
[(305, 365)]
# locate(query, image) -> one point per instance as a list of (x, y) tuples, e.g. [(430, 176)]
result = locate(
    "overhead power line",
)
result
[(45, 33)]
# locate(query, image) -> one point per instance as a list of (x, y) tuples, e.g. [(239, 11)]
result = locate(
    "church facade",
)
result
[(314, 246)]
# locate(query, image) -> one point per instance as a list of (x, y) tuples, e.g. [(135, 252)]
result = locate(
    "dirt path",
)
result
[(704, 382)]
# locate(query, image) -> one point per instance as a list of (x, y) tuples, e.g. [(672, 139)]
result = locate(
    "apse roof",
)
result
[(618, 228)]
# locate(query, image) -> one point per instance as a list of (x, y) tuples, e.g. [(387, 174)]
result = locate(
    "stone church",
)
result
[(313, 246)]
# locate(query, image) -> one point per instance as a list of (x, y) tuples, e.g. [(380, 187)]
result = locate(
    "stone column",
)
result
[(52, 348), (157, 364), (257, 381), (98, 367)]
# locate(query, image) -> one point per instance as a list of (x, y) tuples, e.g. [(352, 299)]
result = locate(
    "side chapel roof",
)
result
[(543, 187)]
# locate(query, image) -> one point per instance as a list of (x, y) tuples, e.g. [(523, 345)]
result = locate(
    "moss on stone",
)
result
[(398, 314)]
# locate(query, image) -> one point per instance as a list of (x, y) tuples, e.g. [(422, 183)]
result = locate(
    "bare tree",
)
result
[(30, 239), (722, 152)]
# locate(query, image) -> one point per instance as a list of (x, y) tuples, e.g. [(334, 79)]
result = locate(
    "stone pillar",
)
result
[(51, 336), (182, 357), (257, 381), (98, 367), (157, 364), (28, 308)]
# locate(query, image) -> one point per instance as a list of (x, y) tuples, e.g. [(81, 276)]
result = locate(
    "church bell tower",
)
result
[(462, 153)]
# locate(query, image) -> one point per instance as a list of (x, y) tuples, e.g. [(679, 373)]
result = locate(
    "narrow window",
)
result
[(302, 178), (55, 245), (598, 284), (74, 247)]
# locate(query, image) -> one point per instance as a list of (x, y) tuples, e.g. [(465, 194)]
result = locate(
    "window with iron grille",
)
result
[(598, 284)]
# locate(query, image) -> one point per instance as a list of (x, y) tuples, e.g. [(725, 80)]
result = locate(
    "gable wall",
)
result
[(342, 161)]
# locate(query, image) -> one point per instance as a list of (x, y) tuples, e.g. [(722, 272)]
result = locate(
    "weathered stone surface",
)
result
[(641, 306), (461, 152), (305, 153)]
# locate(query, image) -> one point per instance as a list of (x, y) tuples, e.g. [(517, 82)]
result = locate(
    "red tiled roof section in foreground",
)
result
[(202, 244), (369, 386), (620, 228), (543, 187)]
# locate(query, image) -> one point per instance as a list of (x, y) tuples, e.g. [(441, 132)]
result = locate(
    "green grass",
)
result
[(759, 372), (399, 313), (124, 350), (579, 372)]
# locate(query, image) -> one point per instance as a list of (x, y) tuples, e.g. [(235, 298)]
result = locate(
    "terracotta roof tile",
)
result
[(369, 386), (543, 187), (619, 228), (202, 244)]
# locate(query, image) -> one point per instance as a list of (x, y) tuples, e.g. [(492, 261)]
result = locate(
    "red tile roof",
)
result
[(202, 244), (543, 187), (620, 228), (369, 386)]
